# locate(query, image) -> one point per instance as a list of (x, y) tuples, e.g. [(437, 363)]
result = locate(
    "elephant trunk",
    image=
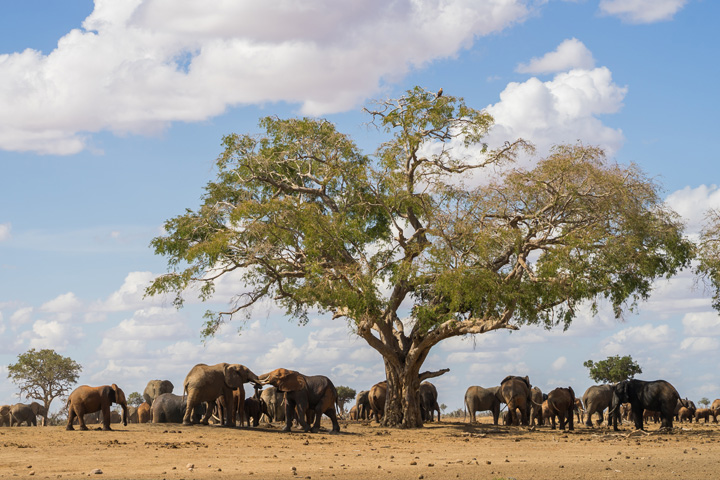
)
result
[(262, 379)]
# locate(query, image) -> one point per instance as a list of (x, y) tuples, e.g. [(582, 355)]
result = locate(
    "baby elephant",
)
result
[(561, 403)]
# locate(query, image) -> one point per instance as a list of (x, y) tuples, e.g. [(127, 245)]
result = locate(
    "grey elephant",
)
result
[(5, 416), (273, 401), (206, 383), (170, 408), (133, 414), (21, 413), (428, 402), (362, 402), (479, 399), (155, 388), (515, 391), (596, 399)]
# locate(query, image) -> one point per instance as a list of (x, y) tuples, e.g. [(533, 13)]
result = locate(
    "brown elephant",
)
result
[(353, 413), (85, 399), (206, 383), (132, 415), (362, 404), (715, 404), (21, 413), (377, 397), (428, 402), (305, 397), (253, 411), (560, 404), (144, 413), (651, 415), (686, 414), (536, 397), (5, 416), (516, 392), (703, 413), (579, 410)]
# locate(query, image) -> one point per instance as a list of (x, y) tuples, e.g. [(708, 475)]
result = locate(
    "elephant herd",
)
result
[(217, 392), (632, 400), (370, 404)]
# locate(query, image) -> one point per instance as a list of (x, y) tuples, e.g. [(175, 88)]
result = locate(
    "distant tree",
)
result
[(443, 407), (44, 375), (135, 399), (704, 402), (613, 369), (345, 394), (402, 246)]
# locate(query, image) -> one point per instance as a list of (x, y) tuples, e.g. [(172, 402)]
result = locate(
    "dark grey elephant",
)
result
[(21, 413), (5, 416), (155, 388), (516, 392), (596, 399), (658, 395), (170, 408), (307, 396), (560, 404), (273, 402), (479, 399), (362, 402), (207, 383), (428, 402)]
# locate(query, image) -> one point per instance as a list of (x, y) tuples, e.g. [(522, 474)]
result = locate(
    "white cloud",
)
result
[(65, 303), (51, 334), (145, 63), (21, 316), (562, 110), (642, 11), (570, 54), (130, 294), (702, 323), (700, 344), (560, 363), (693, 203), (5, 231), (633, 339)]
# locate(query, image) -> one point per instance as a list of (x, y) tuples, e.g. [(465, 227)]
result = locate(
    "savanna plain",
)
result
[(446, 450)]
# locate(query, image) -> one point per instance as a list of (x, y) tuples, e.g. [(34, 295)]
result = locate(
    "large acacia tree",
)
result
[(398, 244)]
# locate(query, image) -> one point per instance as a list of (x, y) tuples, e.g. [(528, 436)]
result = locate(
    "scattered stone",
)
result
[(413, 462), (488, 462), (190, 465), (97, 471)]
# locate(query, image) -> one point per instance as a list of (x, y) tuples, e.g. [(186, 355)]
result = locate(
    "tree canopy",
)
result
[(708, 266), (135, 399), (345, 394), (44, 375), (402, 245), (613, 369)]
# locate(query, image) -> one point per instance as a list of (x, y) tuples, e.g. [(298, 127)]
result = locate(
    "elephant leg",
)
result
[(81, 418), (106, 416), (289, 414), (229, 419), (191, 403)]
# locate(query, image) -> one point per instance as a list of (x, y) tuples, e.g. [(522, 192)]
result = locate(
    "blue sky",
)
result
[(112, 114)]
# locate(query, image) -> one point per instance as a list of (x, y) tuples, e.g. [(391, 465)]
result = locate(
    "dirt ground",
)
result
[(446, 450)]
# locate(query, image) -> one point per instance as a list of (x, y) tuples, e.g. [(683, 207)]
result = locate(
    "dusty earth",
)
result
[(447, 450)]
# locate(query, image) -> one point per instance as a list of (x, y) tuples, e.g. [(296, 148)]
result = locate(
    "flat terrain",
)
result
[(451, 449)]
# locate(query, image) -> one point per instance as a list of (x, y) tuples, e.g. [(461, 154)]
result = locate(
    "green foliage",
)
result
[(613, 369), (345, 394), (708, 265), (704, 402), (135, 399), (44, 375)]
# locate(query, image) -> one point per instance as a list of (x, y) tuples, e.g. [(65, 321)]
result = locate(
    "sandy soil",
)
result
[(451, 449)]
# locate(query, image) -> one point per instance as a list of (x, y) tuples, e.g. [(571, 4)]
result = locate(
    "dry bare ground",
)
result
[(447, 450)]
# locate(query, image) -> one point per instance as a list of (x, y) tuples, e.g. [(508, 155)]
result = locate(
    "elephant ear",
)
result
[(287, 380), (233, 377)]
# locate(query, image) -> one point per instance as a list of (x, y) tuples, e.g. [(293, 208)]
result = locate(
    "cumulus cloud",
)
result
[(693, 203), (65, 303), (5, 231), (21, 316), (560, 363), (570, 54), (700, 344), (642, 11), (51, 334), (562, 110), (136, 66), (633, 339), (701, 323), (130, 294)]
